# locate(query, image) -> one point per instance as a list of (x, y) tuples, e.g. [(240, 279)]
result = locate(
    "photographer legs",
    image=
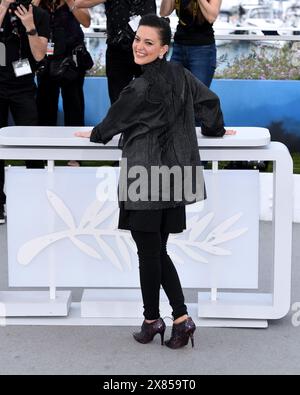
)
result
[(19, 99), (72, 100)]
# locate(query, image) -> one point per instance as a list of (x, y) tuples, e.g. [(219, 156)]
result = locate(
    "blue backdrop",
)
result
[(271, 104)]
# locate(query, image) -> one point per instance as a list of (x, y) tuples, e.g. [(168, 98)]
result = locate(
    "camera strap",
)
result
[(22, 66), (50, 45)]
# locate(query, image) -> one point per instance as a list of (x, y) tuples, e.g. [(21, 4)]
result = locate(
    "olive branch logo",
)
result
[(94, 217)]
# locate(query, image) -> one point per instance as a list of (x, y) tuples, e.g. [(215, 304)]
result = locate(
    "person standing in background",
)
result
[(24, 31), (120, 66), (194, 41), (65, 36)]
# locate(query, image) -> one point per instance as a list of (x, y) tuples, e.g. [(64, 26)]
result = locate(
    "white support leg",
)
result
[(215, 169), (52, 270), (214, 294)]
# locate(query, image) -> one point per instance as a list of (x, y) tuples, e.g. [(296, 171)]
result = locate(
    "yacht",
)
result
[(224, 25), (261, 20)]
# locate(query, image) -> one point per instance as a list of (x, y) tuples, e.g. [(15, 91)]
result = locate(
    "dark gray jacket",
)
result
[(156, 116)]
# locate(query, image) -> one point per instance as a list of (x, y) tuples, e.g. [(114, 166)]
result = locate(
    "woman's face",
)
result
[(147, 46)]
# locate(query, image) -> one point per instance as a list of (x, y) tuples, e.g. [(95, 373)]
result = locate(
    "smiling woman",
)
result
[(156, 116), (148, 45)]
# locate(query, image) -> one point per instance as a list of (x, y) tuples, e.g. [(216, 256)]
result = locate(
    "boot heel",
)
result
[(162, 335), (148, 331), (181, 334), (192, 340)]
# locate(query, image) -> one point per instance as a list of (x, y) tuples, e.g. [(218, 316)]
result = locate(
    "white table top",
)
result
[(60, 136)]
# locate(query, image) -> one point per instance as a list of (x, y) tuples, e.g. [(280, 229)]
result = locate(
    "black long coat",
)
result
[(156, 116)]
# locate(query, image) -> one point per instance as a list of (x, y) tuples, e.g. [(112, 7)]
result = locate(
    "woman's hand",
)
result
[(26, 16), (6, 3), (86, 135), (230, 132)]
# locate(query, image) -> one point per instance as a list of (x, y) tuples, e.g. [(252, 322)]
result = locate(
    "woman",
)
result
[(65, 35), (156, 113), (194, 41)]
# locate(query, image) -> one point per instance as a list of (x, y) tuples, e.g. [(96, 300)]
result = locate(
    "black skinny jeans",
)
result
[(157, 269)]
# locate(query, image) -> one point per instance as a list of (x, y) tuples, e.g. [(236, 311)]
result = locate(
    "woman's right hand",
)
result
[(86, 135), (230, 132)]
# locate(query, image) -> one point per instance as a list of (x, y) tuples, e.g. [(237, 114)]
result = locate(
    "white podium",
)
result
[(120, 305)]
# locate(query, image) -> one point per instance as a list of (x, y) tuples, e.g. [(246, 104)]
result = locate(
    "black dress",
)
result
[(167, 220)]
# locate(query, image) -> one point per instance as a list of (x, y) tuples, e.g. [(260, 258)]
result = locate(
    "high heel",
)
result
[(148, 331), (181, 334)]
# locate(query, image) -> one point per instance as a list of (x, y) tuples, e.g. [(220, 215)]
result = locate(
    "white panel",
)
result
[(56, 216), (266, 197)]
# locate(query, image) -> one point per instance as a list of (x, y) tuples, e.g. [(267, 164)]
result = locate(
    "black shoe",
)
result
[(2, 217), (181, 334), (148, 331)]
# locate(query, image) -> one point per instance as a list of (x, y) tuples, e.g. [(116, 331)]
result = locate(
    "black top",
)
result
[(66, 32), (193, 29), (118, 14), (16, 46)]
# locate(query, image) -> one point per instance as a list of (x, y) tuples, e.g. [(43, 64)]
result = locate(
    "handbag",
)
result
[(84, 60), (63, 69)]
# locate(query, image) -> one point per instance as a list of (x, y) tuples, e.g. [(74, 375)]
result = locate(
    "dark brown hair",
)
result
[(160, 24)]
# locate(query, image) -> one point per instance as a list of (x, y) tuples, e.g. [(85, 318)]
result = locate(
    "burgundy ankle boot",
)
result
[(181, 333), (148, 331)]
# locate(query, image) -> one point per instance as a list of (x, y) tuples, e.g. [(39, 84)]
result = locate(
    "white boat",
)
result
[(260, 20), (224, 26), (292, 18)]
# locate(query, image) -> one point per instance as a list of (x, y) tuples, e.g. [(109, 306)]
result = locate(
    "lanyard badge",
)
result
[(22, 67)]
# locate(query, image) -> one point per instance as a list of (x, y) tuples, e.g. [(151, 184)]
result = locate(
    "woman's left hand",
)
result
[(86, 135), (230, 132)]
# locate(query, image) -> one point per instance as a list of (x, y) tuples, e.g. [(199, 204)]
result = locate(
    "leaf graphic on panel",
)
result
[(61, 209), (95, 215), (32, 248), (131, 244), (85, 248), (90, 213), (221, 238), (123, 251), (211, 249), (199, 227), (109, 252), (192, 254), (102, 216), (219, 230), (176, 258)]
